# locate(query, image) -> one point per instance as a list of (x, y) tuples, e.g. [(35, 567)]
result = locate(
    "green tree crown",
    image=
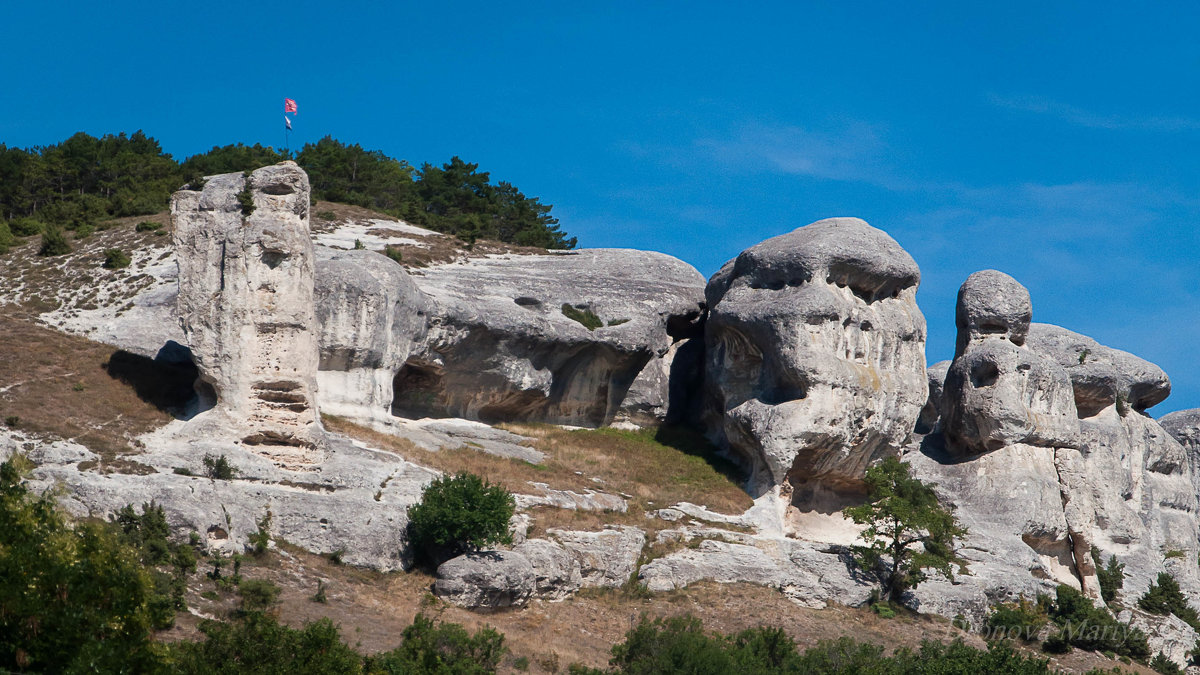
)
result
[(906, 526)]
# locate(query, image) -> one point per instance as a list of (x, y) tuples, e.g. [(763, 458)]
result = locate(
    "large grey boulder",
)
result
[(369, 316), (1101, 376), (997, 391), (606, 558), (557, 573), (991, 304), (485, 580), (815, 363), (502, 347), (246, 305)]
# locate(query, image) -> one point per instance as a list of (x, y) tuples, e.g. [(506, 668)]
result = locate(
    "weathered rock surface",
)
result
[(991, 304), (486, 580), (997, 392), (809, 575), (606, 558), (337, 505), (930, 414), (1184, 427), (369, 314), (1101, 376), (588, 500), (246, 305), (1168, 635), (815, 360), (501, 347), (557, 573), (1037, 481)]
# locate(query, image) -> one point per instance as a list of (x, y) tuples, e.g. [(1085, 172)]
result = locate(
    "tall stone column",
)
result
[(246, 274)]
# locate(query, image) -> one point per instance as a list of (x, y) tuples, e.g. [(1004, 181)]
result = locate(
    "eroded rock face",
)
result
[(815, 355), (369, 313), (501, 347), (606, 558), (1040, 482), (932, 411), (997, 392), (1101, 376), (556, 572), (991, 304), (246, 304), (485, 580)]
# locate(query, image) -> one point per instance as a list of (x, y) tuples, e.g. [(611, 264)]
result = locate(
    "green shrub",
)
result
[(1022, 620), (245, 198), (458, 514), (26, 227), (1091, 628), (12, 421), (319, 596), (1111, 577), (1165, 598), (147, 226), (394, 253), (115, 259), (446, 648), (54, 242), (218, 468), (1161, 664), (6, 237), (884, 610), (258, 644), (326, 215), (584, 316), (257, 594), (680, 645), (358, 245), (75, 597), (260, 541)]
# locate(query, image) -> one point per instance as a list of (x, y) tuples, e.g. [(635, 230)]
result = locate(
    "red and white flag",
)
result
[(289, 106), (287, 122)]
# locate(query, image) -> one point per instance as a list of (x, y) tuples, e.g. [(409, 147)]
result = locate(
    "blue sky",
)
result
[(1056, 143)]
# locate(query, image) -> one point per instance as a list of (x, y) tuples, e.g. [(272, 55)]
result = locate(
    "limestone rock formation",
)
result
[(997, 392), (991, 304), (557, 573), (1039, 482), (338, 506), (815, 362), (508, 340), (606, 558), (932, 412), (246, 304), (1184, 427), (1101, 376), (485, 580), (369, 315)]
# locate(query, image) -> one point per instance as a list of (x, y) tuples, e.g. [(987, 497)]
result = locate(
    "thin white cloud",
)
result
[(851, 154), (1086, 118)]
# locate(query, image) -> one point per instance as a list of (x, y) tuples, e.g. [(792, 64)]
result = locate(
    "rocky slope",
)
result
[(803, 359)]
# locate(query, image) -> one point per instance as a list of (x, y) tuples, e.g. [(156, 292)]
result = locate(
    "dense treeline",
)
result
[(84, 180)]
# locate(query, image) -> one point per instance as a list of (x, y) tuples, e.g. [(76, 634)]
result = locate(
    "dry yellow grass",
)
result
[(657, 468), (69, 387)]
